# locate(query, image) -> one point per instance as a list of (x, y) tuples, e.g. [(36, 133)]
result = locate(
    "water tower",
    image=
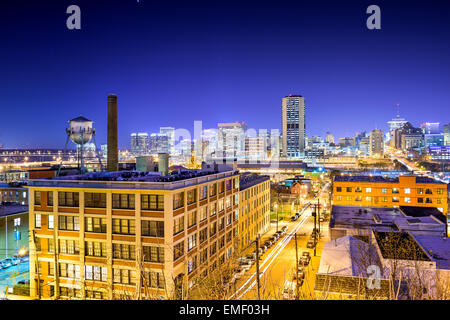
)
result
[(80, 131)]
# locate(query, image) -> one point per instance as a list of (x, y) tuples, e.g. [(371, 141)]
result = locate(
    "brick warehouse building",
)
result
[(96, 237), (377, 191)]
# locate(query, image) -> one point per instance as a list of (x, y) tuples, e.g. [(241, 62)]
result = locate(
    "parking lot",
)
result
[(13, 274)]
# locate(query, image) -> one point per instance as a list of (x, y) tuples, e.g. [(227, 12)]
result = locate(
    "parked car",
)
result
[(276, 235), (251, 257), (303, 261), (299, 276), (284, 229), (245, 265), (289, 290), (268, 243), (263, 248), (14, 261), (5, 263), (293, 218), (310, 244), (25, 259), (306, 254)]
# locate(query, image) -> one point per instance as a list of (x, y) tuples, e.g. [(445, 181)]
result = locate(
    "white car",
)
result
[(5, 263), (289, 290)]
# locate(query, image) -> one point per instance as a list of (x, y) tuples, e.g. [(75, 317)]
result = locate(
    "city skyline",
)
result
[(219, 64)]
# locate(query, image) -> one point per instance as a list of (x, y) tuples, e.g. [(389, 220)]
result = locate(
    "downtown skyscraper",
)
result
[(293, 126), (139, 144)]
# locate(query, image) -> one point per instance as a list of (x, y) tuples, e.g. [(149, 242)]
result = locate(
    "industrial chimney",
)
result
[(113, 152)]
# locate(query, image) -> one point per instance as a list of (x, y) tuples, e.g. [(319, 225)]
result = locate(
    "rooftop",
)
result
[(247, 180), (438, 248), (400, 246), (418, 220), (272, 164), (380, 179), (7, 209), (133, 179)]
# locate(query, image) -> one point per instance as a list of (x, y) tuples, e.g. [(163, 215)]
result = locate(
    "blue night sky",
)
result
[(173, 62)]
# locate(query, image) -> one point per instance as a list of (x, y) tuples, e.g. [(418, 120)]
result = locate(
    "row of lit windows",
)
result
[(127, 201), (390, 199), (439, 191), (98, 225)]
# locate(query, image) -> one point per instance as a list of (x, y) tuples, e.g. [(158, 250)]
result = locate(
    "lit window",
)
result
[(51, 222), (368, 190), (407, 199), (37, 220), (407, 190)]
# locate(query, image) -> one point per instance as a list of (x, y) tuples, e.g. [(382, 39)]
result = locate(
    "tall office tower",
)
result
[(159, 143), (376, 143), (446, 130), (139, 144), (231, 139), (113, 147), (209, 137), (170, 133), (293, 126), (329, 138)]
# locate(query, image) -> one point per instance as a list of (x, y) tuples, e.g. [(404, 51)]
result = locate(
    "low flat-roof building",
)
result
[(377, 191), (13, 229), (349, 220)]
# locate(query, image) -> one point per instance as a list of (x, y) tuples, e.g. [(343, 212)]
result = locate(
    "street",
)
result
[(278, 263)]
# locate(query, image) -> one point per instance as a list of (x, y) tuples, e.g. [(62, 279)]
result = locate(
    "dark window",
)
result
[(178, 200), (123, 226), (178, 250), (37, 197), (68, 199), (95, 248), (124, 251), (152, 228), (192, 196), (212, 190), (95, 200), (153, 254), (152, 202), (153, 280), (123, 201), (69, 223), (50, 198), (95, 224)]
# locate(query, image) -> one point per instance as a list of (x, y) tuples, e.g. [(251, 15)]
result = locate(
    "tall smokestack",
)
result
[(113, 149)]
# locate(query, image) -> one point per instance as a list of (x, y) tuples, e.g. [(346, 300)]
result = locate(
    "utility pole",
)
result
[(296, 264), (315, 231), (277, 217), (257, 265)]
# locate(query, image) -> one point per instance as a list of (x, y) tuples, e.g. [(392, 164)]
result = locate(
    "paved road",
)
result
[(278, 263)]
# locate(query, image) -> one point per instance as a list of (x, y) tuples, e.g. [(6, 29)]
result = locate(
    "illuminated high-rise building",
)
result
[(293, 126), (376, 143), (231, 139), (139, 144), (170, 133)]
